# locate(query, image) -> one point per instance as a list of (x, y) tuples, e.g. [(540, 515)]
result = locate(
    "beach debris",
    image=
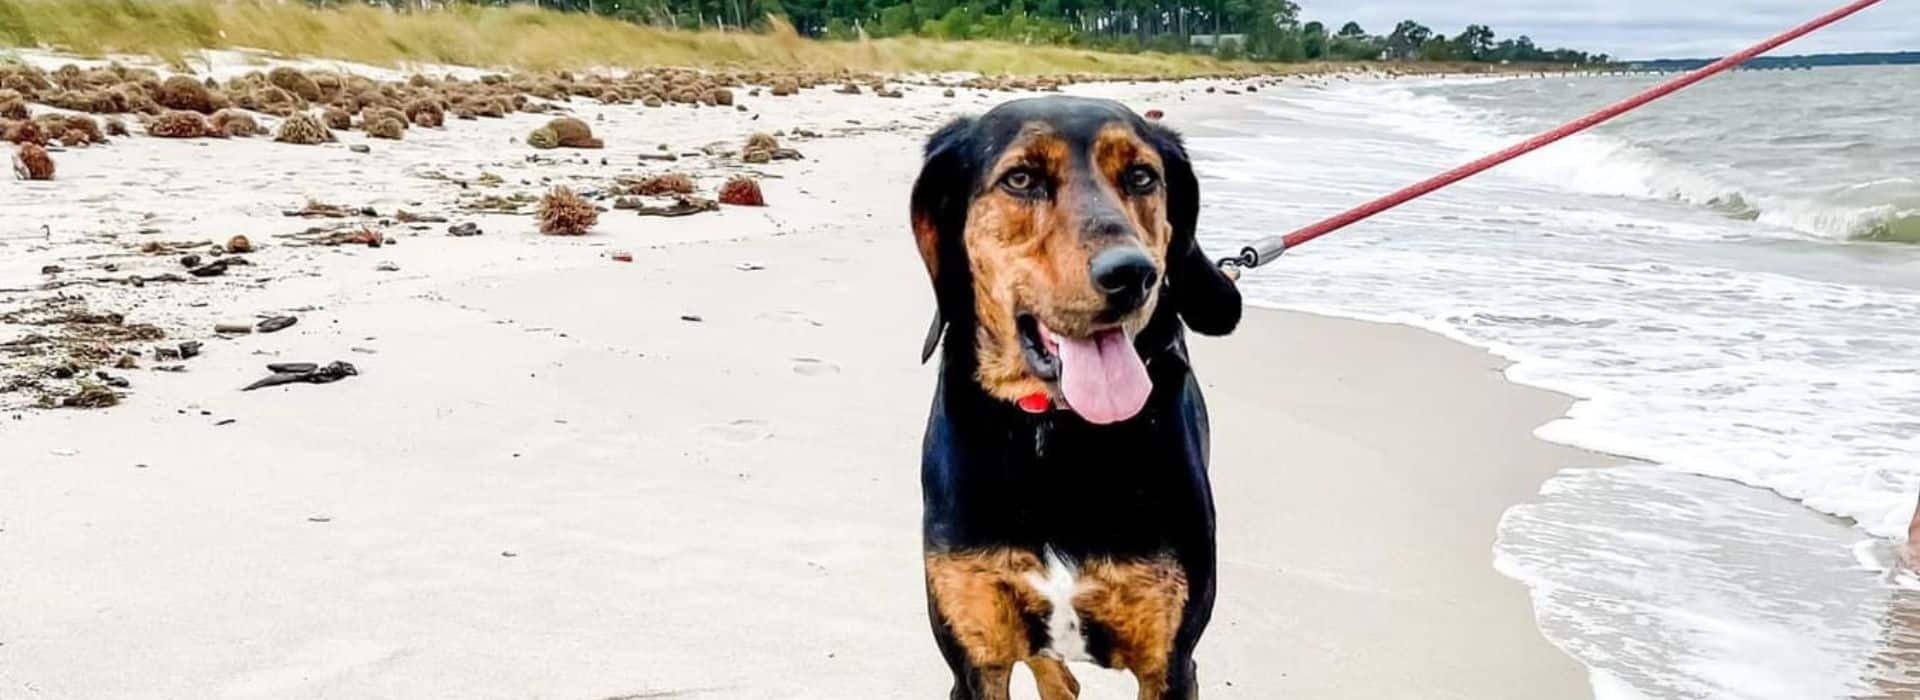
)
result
[(1155, 115), (360, 148), (622, 256), (189, 261), (759, 148), (184, 351), (304, 373), (426, 112), (239, 244), (232, 122), (683, 205), (184, 93), (25, 132), (336, 118), (232, 329), (181, 125), (316, 209), (848, 89), (947, 92), (659, 185), (407, 217), (75, 129), (212, 269), (496, 204), (31, 162), (360, 236), (14, 106), (564, 132), (384, 126), (692, 318), (749, 267), (742, 192), (563, 213), (276, 323), (544, 137), (292, 80), (303, 129), (464, 230), (51, 269), (319, 519), (386, 266), (92, 394), (667, 157)]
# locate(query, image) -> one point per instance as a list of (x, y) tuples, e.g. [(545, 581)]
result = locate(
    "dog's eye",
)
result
[(1141, 179), (1020, 182)]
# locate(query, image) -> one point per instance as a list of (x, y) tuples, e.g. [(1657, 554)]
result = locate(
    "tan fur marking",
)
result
[(1140, 603), (982, 595), (1028, 256), (926, 236), (1053, 678)]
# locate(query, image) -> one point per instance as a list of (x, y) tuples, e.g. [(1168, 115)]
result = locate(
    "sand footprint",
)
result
[(788, 317), (814, 367), (740, 430)]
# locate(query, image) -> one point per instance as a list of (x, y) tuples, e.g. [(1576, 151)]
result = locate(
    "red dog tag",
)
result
[(1036, 402)]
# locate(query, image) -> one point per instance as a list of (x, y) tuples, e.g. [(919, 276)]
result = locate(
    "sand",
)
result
[(548, 482)]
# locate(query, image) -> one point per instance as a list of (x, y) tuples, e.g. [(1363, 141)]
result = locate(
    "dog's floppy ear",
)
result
[(1206, 299), (939, 210)]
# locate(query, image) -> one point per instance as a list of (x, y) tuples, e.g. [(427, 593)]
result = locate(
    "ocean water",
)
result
[(1728, 280)]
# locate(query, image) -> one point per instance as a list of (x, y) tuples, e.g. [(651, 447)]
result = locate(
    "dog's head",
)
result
[(1055, 230)]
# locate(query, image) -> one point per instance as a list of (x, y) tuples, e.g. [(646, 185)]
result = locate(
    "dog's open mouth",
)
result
[(1101, 376)]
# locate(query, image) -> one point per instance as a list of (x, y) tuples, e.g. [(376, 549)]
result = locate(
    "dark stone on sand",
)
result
[(360, 148), (308, 373), (464, 230), (212, 269), (277, 323), (190, 349)]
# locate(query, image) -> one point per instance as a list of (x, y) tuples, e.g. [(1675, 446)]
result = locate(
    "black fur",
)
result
[(994, 476)]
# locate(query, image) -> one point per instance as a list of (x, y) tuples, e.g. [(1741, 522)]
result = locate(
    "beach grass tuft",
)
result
[(525, 37)]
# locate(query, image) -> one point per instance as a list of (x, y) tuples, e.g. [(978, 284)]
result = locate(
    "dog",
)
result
[(1068, 515)]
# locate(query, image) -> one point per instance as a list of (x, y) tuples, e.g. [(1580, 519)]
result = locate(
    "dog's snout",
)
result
[(1124, 274)]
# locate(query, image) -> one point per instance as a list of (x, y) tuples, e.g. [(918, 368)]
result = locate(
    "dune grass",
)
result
[(522, 37)]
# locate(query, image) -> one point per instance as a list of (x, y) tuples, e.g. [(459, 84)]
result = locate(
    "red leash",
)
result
[(1266, 250)]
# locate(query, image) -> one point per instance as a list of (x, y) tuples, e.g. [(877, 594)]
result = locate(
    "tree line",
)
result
[(1266, 30)]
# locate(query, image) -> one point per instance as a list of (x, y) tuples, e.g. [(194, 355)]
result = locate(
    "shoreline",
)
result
[(547, 480)]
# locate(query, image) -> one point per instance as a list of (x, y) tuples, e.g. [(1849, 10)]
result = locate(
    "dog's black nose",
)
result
[(1124, 274)]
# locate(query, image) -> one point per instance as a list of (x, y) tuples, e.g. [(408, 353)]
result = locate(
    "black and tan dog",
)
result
[(1068, 513)]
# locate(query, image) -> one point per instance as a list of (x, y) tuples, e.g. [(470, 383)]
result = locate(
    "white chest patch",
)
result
[(1059, 584)]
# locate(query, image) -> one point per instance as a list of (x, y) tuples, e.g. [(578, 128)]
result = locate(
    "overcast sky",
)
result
[(1641, 28)]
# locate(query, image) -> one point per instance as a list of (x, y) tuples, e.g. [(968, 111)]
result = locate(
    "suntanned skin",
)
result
[(1009, 211)]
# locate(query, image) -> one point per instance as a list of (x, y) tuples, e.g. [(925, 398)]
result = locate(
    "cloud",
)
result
[(1641, 28)]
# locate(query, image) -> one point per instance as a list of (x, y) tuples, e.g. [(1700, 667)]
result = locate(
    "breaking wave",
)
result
[(1887, 210)]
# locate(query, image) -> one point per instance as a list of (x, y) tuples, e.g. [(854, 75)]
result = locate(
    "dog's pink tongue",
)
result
[(1102, 376)]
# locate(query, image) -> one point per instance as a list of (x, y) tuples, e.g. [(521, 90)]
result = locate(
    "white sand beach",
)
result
[(695, 474)]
